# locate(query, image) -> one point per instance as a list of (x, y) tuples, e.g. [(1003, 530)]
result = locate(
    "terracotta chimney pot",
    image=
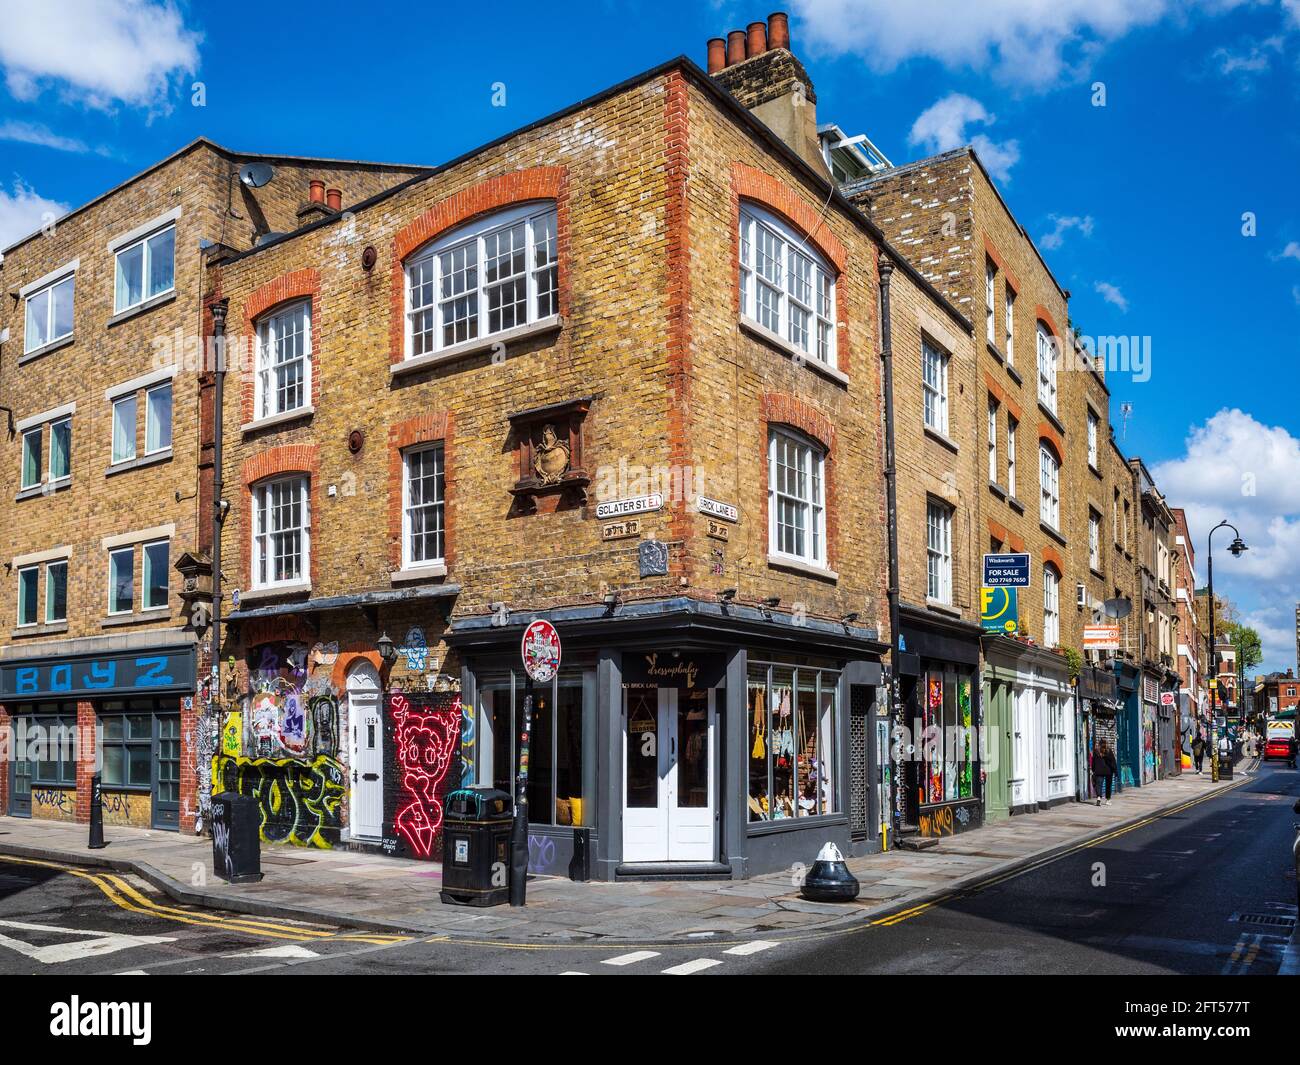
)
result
[(757, 38), (735, 47), (334, 199), (717, 54), (778, 30), (317, 191)]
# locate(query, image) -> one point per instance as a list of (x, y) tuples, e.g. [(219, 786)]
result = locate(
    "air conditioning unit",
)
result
[(1080, 595)]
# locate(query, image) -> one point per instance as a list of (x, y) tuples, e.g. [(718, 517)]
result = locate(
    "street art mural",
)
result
[(425, 741), (467, 734), (298, 802)]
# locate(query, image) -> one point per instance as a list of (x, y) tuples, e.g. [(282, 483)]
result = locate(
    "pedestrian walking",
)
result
[(1103, 771), (1198, 750)]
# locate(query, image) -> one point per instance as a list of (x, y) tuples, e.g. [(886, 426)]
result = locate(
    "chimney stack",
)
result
[(717, 54)]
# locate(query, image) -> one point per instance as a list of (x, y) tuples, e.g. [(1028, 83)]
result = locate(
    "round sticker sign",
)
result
[(541, 651)]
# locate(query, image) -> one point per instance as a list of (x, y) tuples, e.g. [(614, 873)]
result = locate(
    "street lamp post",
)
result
[(1236, 548)]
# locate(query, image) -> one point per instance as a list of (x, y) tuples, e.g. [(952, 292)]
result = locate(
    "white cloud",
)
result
[(23, 212), (100, 53), (1236, 468), (1251, 59), (1112, 295), (1292, 250), (942, 126), (1054, 238), (43, 136), (1035, 43)]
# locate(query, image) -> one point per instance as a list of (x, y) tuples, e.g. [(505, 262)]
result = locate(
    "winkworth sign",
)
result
[(119, 673), (1006, 571)]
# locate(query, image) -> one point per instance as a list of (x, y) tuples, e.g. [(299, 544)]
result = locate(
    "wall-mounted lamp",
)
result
[(387, 649)]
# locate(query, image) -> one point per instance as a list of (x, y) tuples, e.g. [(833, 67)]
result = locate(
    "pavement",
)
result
[(355, 890)]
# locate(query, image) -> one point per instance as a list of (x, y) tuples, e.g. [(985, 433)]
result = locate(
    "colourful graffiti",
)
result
[(416, 649), (232, 735), (467, 736), (299, 802), (965, 781), (937, 822), (425, 742)]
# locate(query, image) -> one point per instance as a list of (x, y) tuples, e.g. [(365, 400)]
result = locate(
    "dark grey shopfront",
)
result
[(688, 738)]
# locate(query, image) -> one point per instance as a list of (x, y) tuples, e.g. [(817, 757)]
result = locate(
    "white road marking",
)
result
[(687, 968), (572, 972), (288, 951), (633, 958), (745, 949), (134, 972), (101, 943)]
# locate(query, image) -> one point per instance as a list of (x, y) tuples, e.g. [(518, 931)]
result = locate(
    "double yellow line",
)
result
[(123, 895)]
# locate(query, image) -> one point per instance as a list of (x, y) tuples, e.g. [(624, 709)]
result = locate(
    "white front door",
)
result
[(668, 777), (367, 740)]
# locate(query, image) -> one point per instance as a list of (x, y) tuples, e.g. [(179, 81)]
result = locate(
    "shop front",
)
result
[(122, 708), (1129, 731), (1033, 731), (679, 738), (1168, 727), (1098, 701), (940, 780), (1150, 704)]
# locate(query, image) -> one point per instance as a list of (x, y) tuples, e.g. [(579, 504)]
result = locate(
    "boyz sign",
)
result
[(121, 673)]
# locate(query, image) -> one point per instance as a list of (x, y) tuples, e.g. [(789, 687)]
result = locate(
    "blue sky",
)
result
[(1138, 205)]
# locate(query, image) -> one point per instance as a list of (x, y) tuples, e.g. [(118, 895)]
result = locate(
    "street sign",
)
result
[(1166, 698), (540, 648), (1006, 571), (999, 610), (715, 509), (622, 508), (1101, 637)]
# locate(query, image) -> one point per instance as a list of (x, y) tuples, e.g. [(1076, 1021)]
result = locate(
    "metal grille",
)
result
[(859, 779), (1269, 920)]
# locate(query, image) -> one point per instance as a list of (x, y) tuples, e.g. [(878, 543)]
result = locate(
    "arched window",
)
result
[(490, 276), (1049, 483), (1051, 606), (785, 285), (1046, 368)]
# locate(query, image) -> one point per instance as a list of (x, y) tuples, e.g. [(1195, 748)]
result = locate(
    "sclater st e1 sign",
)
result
[(624, 508), (1006, 571)]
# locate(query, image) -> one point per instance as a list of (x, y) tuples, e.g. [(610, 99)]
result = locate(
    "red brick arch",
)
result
[(758, 186), (1053, 556), (781, 408), (492, 194), (424, 428), (288, 458), (295, 285)]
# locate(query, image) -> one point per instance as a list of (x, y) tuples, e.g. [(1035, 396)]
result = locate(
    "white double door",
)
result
[(669, 791)]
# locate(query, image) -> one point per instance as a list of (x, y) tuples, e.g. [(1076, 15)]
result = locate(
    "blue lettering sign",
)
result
[(153, 675), (25, 680), (61, 678), (101, 675)]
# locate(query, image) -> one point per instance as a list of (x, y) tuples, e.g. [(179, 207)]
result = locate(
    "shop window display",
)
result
[(555, 747), (948, 740), (791, 741)]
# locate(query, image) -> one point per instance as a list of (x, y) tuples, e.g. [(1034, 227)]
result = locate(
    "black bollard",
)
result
[(96, 815), (829, 880)]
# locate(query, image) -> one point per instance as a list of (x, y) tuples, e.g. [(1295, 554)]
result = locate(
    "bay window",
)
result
[(489, 277), (785, 286), (281, 532), (283, 382), (1049, 483), (796, 498), (424, 488), (49, 313)]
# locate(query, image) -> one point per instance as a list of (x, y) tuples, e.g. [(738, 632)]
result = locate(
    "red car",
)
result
[(1282, 747)]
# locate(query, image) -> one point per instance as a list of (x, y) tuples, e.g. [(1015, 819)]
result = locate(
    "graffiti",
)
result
[(416, 649), (467, 732), (963, 815), (298, 802), (541, 854), (325, 654), (325, 724), (937, 822), (221, 850), (116, 802), (425, 741), (232, 735), (53, 800)]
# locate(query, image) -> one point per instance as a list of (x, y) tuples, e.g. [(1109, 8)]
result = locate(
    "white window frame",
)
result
[(37, 431), (149, 419), (541, 232), (1057, 738), (994, 408), (938, 551), (112, 584), (816, 307), (934, 386), (1094, 540), (810, 460), (1094, 426), (48, 567), (1012, 427), (271, 333), (1009, 325), (48, 290), (262, 534), (990, 296), (1047, 357), (49, 458), (1049, 487), (146, 260), (35, 600), (408, 509), (134, 399), (1051, 607), (146, 572)]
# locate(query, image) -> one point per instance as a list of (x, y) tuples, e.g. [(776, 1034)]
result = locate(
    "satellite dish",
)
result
[(255, 175), (1118, 608)]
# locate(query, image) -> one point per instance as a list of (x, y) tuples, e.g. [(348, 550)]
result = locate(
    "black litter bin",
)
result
[(476, 847), (236, 847)]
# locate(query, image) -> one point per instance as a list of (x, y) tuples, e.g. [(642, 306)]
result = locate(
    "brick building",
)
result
[(101, 468), (1190, 637)]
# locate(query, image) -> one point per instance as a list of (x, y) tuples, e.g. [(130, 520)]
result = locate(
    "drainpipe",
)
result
[(886, 270), (218, 504)]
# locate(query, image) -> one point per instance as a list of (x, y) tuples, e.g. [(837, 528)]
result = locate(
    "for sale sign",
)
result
[(1006, 571)]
